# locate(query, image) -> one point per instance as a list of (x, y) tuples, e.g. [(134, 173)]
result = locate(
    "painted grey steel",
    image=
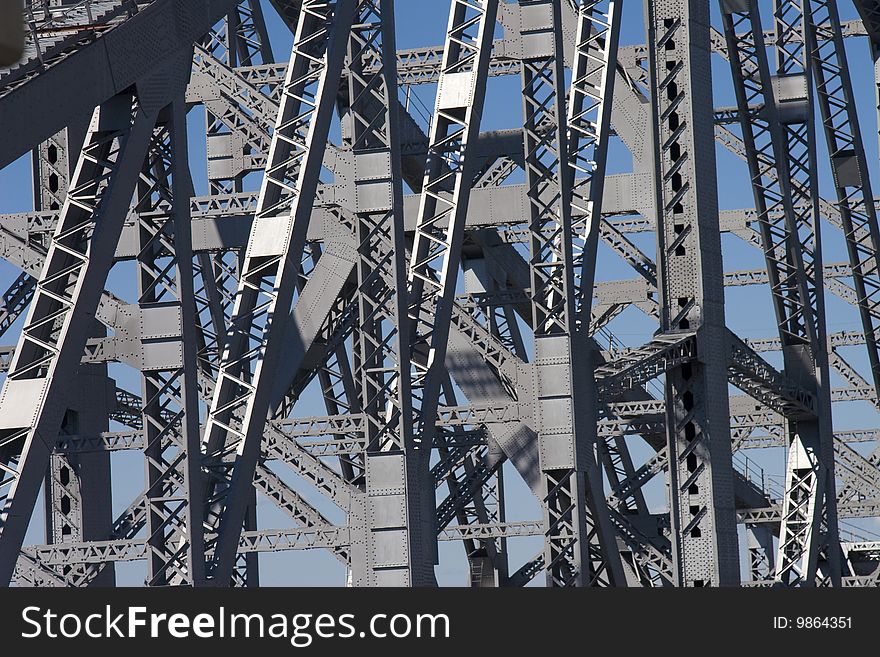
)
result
[(705, 551), (447, 317)]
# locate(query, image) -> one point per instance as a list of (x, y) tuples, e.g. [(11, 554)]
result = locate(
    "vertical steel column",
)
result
[(588, 119), (389, 547), (768, 169), (170, 412), (824, 48), (77, 488), (580, 548), (793, 98), (240, 404), (32, 403), (797, 305), (849, 167), (704, 539)]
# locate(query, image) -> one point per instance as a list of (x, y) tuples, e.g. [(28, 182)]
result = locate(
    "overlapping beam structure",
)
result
[(374, 313)]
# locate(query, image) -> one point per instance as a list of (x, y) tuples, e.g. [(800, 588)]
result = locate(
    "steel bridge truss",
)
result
[(438, 287)]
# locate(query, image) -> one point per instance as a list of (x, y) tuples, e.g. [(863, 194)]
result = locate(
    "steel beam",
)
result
[(704, 539), (67, 295)]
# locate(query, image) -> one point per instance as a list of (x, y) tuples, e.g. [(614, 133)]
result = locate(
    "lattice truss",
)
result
[(589, 290)]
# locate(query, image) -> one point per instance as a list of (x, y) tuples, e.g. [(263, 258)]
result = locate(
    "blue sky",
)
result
[(749, 312)]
